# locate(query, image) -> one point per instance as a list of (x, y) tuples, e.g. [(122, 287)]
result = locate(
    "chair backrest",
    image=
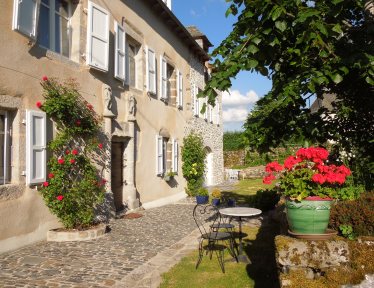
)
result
[(204, 216)]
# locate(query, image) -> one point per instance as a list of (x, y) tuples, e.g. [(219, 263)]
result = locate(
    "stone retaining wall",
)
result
[(257, 173)]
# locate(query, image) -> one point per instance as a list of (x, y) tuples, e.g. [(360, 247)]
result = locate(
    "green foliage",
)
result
[(357, 214), (72, 189), (171, 174), (350, 192), (265, 199), (216, 194), (231, 140), (305, 50), (193, 158), (202, 192)]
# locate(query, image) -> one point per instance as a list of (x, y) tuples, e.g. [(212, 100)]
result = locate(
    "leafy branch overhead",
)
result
[(306, 48)]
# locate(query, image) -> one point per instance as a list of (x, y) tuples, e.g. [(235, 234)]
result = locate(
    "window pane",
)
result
[(46, 2), (44, 27), (2, 120), (62, 36), (132, 51), (61, 6), (1, 156), (132, 72)]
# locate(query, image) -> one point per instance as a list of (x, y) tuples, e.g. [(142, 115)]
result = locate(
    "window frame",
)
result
[(127, 65), (52, 17), (6, 151)]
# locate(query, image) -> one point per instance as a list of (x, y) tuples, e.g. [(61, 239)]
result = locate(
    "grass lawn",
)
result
[(247, 188), (258, 245)]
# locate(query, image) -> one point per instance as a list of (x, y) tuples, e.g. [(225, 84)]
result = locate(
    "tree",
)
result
[(307, 48)]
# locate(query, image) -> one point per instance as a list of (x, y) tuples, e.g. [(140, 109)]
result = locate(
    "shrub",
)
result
[(231, 140), (265, 199), (193, 158), (203, 192), (216, 194), (357, 214), (73, 188)]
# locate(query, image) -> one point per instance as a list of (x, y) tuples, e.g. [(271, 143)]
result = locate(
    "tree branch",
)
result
[(247, 41)]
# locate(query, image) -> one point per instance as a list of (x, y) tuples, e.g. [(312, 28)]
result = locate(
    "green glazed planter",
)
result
[(309, 216)]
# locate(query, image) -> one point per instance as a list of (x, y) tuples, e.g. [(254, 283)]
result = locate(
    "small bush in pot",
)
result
[(202, 196), (216, 194)]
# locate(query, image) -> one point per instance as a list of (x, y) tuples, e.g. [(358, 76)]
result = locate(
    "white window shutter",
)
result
[(97, 37), (197, 102), (217, 105), (175, 155), (159, 157), (36, 145), (206, 108), (163, 77), (119, 52), (211, 113), (151, 70), (179, 89), (25, 18)]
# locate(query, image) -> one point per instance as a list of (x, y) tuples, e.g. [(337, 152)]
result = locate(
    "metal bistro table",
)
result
[(240, 212)]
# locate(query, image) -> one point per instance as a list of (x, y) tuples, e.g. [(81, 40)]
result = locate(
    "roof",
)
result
[(163, 12), (197, 34), (326, 102)]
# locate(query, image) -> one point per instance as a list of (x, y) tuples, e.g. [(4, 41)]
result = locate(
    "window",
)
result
[(179, 89), (169, 75), (4, 147), (131, 52), (54, 27), (166, 155)]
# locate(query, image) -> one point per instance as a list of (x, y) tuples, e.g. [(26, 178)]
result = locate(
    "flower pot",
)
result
[(231, 202), (216, 202), (202, 199), (309, 216), (167, 178)]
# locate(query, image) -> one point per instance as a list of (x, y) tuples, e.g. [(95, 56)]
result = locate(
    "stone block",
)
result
[(83, 235)]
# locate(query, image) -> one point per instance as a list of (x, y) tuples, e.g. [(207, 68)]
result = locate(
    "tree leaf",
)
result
[(252, 49), (322, 28), (337, 28), (277, 12), (253, 63), (281, 25), (369, 80)]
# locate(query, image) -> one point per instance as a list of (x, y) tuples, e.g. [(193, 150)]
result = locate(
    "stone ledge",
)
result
[(11, 191), (53, 235)]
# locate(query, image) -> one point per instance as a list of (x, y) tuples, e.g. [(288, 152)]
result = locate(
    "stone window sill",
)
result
[(36, 49)]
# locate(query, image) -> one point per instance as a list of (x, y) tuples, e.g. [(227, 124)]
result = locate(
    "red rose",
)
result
[(79, 123), (97, 185), (100, 145), (60, 161), (93, 141), (90, 106), (45, 78), (67, 152), (45, 184), (39, 104), (104, 180), (72, 79), (60, 197), (51, 175), (101, 183), (72, 161), (75, 151)]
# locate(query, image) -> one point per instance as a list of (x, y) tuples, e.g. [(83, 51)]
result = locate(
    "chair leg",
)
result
[(201, 252), (221, 259)]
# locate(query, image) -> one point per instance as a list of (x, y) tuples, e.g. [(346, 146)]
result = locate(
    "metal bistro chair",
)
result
[(206, 217)]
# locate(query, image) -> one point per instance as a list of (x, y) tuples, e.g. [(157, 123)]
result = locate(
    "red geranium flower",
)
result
[(51, 175), (72, 161), (45, 184), (75, 151), (60, 197), (318, 178), (39, 104), (60, 161), (45, 78)]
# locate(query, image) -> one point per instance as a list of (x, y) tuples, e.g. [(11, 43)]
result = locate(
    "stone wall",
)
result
[(211, 132), (257, 173)]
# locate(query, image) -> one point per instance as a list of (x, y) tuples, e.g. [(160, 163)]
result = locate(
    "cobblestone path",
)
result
[(102, 262)]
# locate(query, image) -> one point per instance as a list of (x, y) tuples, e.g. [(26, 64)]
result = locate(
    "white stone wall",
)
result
[(211, 132)]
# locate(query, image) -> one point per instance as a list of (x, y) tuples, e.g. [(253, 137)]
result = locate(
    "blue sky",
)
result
[(209, 17)]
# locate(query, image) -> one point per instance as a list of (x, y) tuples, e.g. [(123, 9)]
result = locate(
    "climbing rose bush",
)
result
[(307, 175), (73, 187)]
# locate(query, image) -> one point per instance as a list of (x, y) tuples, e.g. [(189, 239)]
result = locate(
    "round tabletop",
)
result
[(240, 211)]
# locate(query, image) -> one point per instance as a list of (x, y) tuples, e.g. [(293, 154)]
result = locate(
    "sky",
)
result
[(209, 17)]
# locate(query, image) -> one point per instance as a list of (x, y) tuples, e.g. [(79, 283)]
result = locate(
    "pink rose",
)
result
[(45, 184), (100, 145), (51, 175), (45, 78), (60, 161), (39, 104), (60, 197), (104, 180), (75, 151), (72, 161), (90, 106), (67, 152)]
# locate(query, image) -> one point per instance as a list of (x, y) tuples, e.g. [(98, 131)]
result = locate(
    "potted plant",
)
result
[(202, 196), (216, 197), (309, 187), (169, 176), (230, 201)]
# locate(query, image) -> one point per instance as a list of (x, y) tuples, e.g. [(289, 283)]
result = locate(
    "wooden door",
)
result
[(117, 174)]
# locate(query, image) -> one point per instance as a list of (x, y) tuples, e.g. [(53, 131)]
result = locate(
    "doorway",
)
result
[(117, 174)]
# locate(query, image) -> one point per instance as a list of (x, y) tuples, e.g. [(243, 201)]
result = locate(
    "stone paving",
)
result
[(102, 262)]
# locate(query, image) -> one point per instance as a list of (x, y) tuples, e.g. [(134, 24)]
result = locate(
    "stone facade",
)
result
[(212, 132)]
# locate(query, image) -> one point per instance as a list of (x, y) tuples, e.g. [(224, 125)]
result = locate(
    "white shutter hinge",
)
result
[(85, 11), (24, 121), (23, 173)]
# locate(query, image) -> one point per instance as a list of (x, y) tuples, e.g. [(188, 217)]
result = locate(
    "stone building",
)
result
[(137, 65)]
